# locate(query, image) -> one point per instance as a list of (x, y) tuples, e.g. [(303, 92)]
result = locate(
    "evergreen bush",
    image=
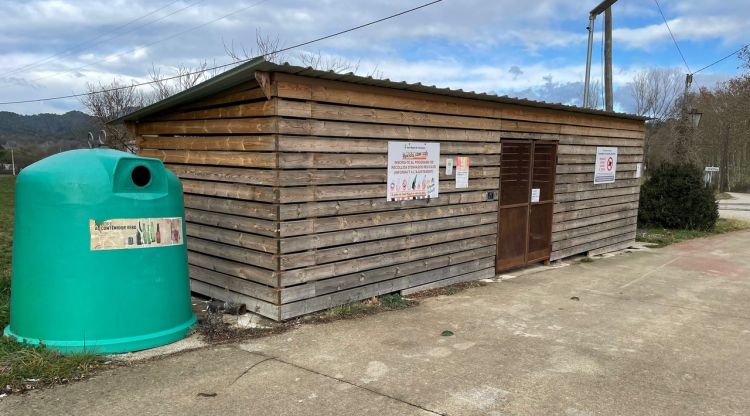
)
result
[(674, 196)]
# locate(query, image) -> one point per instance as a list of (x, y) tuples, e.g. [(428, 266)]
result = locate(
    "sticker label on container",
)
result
[(125, 233)]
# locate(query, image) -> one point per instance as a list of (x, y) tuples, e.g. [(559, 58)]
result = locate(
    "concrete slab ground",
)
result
[(737, 208), (659, 332)]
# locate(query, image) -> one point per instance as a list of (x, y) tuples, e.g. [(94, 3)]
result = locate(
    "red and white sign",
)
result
[(606, 165)]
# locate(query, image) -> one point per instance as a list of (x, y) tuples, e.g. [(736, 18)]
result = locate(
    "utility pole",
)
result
[(608, 92), (13, 161), (604, 6)]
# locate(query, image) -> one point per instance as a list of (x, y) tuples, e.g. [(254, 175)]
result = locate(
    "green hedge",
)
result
[(674, 196)]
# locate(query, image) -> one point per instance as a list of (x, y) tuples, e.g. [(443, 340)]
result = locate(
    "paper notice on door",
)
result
[(462, 172), (535, 192)]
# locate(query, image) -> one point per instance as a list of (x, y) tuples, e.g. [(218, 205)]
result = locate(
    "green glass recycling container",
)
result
[(99, 254)]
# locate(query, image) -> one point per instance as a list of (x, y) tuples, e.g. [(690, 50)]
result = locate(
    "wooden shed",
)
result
[(290, 207)]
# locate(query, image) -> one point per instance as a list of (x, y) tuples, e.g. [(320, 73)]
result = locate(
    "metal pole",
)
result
[(13, 161), (609, 98), (587, 83)]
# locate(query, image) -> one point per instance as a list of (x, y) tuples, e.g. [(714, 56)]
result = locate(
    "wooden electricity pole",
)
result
[(603, 7)]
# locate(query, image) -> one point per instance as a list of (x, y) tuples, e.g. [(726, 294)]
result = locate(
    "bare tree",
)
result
[(186, 77), (266, 46), (109, 101), (655, 92)]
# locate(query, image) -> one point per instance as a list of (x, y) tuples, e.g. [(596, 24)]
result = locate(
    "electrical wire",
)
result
[(196, 27), (722, 59), (672, 35), (226, 65), (89, 43)]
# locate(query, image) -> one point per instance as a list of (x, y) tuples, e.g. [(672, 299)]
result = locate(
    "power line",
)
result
[(722, 59), (90, 42), (672, 35), (226, 65), (242, 9)]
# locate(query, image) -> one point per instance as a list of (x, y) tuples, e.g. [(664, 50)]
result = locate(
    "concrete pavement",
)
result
[(737, 208), (662, 332)]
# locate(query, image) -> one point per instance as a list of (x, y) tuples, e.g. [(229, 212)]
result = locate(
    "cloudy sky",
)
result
[(532, 49)]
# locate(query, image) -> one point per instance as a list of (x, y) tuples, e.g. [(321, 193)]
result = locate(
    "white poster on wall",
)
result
[(462, 172), (535, 193), (637, 170), (449, 166), (413, 170), (606, 165)]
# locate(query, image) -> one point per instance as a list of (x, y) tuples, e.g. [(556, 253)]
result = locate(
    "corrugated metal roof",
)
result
[(246, 72)]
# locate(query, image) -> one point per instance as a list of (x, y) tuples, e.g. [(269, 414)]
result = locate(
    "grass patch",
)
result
[(447, 290), (587, 260), (23, 367), (722, 196), (660, 237)]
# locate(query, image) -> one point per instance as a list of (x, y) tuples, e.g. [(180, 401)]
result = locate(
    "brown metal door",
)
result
[(527, 172)]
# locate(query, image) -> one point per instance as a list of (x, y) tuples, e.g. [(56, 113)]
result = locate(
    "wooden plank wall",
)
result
[(587, 218), (340, 240), (223, 150)]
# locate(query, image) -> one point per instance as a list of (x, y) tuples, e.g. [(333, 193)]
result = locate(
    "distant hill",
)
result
[(21, 129)]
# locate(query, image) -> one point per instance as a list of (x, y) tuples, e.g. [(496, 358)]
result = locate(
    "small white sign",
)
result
[(637, 170), (462, 172), (712, 168), (605, 169), (535, 192), (449, 166)]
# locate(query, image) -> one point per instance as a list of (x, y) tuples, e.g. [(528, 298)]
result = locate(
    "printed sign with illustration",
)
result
[(606, 165), (125, 233), (413, 170), (462, 172)]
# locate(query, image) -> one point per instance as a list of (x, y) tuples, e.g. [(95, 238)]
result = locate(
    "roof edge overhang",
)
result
[(247, 70)]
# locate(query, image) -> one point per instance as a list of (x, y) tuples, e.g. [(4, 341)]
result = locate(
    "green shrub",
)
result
[(674, 196)]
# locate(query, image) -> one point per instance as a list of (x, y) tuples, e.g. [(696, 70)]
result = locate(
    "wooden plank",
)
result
[(293, 277), (235, 284), (254, 305), (358, 160), (587, 238), (478, 223), (590, 216), (338, 193), (323, 225), (591, 159), (583, 248), (330, 208), (263, 177), (572, 149), (593, 203), (469, 277), (334, 284), (305, 88), (382, 131), (245, 92), (235, 191), (237, 238), (252, 109), (350, 251), (363, 292), (364, 176), (230, 206), (233, 268), (266, 125), (589, 167), (561, 188), (603, 140), (232, 222), (219, 158), (322, 111), (336, 144), (597, 194), (530, 127), (594, 228), (233, 253), (566, 130), (226, 143), (589, 177)]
